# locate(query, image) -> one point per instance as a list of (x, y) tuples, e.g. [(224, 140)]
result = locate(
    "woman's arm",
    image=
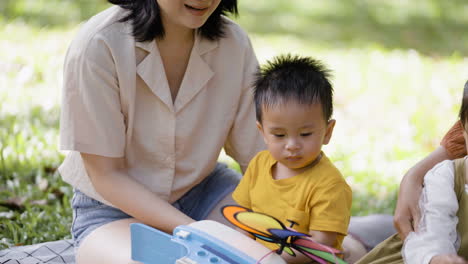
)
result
[(111, 180), (437, 233), (407, 214)]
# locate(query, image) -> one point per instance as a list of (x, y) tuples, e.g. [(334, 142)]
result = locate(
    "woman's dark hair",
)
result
[(464, 106), (145, 17)]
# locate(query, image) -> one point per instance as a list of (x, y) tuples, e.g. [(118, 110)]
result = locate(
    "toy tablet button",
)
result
[(214, 260), (201, 253), (182, 234)]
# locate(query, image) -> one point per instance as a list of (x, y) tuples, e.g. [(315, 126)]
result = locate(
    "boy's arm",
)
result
[(322, 237), (335, 203), (241, 195), (330, 212)]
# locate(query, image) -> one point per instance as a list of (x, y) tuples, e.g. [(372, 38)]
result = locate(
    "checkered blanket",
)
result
[(55, 252)]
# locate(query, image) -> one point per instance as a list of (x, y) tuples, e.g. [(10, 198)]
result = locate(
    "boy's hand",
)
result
[(448, 259)]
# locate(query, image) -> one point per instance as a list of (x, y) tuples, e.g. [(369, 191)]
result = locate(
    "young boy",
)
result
[(293, 180)]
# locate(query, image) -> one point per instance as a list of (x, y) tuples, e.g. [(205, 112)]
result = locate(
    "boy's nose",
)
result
[(292, 144)]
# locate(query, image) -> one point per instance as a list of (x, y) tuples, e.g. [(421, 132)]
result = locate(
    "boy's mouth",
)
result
[(293, 158)]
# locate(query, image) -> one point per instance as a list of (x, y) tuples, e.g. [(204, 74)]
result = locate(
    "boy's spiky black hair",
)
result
[(145, 17), (287, 77), (464, 107)]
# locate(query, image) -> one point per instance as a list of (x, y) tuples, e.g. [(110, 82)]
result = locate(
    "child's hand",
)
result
[(448, 259)]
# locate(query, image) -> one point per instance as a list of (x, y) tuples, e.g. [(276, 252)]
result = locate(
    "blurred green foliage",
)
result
[(398, 71), (49, 13), (434, 27)]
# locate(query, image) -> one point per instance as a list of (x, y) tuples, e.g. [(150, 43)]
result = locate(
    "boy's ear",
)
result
[(329, 132), (259, 126), (260, 129)]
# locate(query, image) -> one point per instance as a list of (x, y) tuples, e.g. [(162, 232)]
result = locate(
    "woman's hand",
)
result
[(448, 259), (407, 213)]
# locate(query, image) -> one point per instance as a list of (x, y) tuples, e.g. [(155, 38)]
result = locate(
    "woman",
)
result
[(153, 90)]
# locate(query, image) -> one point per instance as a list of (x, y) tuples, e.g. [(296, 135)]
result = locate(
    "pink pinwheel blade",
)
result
[(314, 245), (330, 257)]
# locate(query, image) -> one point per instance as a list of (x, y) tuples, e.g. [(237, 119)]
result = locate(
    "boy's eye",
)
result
[(278, 135), (306, 134)]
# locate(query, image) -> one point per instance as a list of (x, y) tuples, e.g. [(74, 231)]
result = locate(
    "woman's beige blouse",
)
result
[(117, 103)]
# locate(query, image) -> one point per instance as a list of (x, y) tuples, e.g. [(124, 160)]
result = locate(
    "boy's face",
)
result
[(294, 133)]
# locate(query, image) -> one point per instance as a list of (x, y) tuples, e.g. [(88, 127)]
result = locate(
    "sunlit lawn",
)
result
[(398, 83)]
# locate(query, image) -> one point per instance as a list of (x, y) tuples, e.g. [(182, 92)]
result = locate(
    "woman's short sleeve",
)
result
[(91, 118), (454, 142), (244, 141)]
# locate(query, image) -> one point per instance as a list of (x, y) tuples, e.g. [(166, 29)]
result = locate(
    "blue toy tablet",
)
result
[(200, 242)]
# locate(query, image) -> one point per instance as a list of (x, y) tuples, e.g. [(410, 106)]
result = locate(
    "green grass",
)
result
[(398, 72), (34, 202)]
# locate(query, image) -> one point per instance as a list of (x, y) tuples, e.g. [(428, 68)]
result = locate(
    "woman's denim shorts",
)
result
[(89, 214)]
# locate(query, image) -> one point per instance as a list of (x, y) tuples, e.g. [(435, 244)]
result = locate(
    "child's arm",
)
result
[(325, 238), (329, 211), (437, 234)]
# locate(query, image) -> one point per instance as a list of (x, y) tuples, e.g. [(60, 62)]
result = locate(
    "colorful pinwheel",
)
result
[(270, 229)]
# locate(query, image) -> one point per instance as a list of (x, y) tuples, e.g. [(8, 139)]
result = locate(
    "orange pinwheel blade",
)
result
[(230, 212)]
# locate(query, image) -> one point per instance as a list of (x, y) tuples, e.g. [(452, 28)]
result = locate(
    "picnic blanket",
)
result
[(55, 252), (62, 251)]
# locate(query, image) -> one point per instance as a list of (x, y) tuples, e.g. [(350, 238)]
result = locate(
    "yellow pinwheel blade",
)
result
[(259, 221)]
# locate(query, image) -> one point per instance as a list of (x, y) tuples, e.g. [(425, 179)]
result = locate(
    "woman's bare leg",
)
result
[(109, 243), (216, 214)]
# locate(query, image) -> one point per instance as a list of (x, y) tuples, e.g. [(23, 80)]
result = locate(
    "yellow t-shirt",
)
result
[(317, 199)]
